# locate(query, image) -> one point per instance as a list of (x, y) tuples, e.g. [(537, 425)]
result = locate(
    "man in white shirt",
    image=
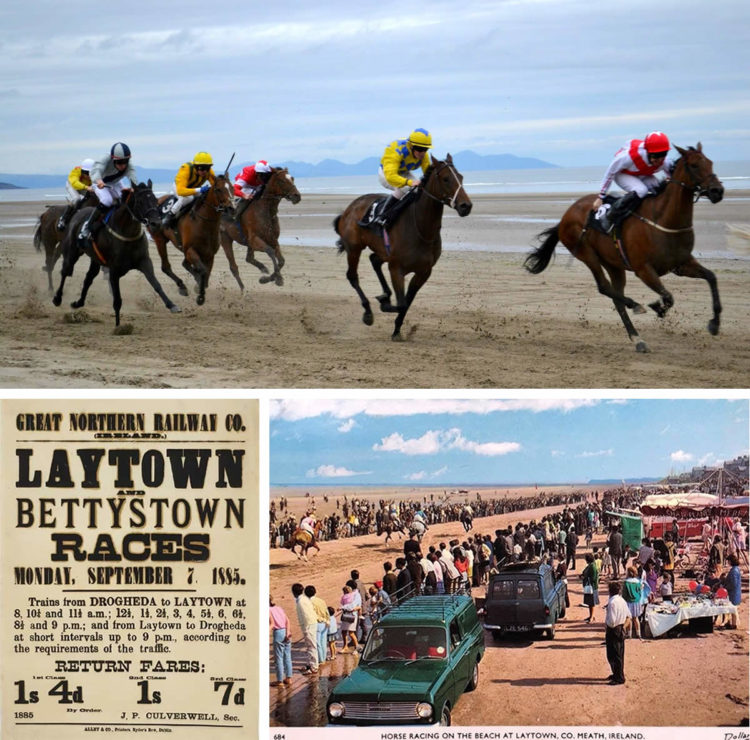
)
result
[(308, 622), (617, 615)]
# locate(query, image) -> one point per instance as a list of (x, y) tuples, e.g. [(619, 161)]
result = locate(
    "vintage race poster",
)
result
[(129, 568)]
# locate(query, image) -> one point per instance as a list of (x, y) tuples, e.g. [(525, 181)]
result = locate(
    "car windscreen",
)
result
[(405, 643)]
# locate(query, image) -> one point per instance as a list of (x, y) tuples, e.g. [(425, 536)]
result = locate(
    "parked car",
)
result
[(417, 661), (523, 597)]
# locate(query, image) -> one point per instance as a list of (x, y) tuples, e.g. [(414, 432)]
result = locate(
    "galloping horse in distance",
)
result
[(196, 235), (659, 239), (305, 541), (120, 245), (260, 227), (47, 234), (389, 526), (412, 244)]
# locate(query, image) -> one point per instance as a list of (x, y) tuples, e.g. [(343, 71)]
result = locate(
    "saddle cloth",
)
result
[(373, 211), (166, 206), (598, 219)]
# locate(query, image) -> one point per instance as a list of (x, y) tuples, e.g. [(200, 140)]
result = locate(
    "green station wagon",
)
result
[(417, 661), (523, 597)]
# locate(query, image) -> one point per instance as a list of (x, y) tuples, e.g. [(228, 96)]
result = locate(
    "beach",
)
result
[(701, 679), (481, 321)]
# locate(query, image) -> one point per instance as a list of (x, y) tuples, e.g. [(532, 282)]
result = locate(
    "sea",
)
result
[(559, 180), (565, 182)]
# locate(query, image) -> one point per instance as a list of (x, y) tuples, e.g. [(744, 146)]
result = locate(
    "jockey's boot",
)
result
[(94, 221), (62, 222), (623, 207), (241, 208), (385, 219)]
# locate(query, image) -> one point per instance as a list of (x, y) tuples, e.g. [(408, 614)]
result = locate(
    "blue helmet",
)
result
[(120, 151)]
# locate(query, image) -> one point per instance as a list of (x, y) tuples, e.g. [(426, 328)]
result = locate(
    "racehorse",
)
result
[(120, 245), (196, 235), (305, 541), (658, 240), (414, 243), (467, 519), (260, 227), (48, 235), (390, 526), (417, 527)]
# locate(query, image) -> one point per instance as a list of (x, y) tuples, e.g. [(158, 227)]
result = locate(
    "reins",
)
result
[(443, 201)]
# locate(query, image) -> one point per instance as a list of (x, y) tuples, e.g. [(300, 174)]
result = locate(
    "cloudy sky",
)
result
[(449, 442), (563, 80)]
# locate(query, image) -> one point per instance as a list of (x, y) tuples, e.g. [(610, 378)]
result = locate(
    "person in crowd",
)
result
[(321, 610), (616, 619), (645, 552), (632, 591), (308, 623), (349, 612), (389, 579), (404, 584), (651, 577), (733, 585), (671, 554), (571, 545), (333, 633), (615, 544), (462, 566), (666, 586), (281, 638), (590, 578)]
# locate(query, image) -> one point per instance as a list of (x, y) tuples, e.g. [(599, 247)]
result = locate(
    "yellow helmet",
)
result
[(421, 137), (202, 158)]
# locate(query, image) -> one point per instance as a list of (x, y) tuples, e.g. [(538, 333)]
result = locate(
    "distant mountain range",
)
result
[(466, 161)]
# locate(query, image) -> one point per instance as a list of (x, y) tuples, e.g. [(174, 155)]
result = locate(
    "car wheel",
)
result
[(445, 717), (474, 680)]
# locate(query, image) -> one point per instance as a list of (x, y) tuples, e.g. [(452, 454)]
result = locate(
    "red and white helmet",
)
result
[(656, 142), (262, 166)]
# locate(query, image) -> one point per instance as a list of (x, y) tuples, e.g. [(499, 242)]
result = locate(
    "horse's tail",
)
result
[(540, 257), (38, 236), (340, 242)]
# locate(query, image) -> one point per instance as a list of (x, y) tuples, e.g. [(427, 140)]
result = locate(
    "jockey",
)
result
[(107, 174), (192, 179), (633, 169), (249, 183), (78, 184), (307, 523), (400, 159)]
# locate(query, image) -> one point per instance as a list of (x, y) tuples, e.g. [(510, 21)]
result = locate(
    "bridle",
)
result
[(698, 189), (445, 201)]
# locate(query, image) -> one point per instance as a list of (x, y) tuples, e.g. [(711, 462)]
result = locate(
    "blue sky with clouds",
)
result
[(563, 80), (452, 442)]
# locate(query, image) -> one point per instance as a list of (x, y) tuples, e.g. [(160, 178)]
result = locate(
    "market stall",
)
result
[(664, 616)]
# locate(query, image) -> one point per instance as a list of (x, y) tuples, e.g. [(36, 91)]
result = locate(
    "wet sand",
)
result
[(481, 321)]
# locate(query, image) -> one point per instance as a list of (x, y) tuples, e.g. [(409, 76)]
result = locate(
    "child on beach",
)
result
[(333, 633)]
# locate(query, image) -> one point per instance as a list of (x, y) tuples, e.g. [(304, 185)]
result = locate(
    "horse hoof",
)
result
[(175, 309), (182, 290), (265, 279), (57, 300), (397, 337), (200, 300), (279, 280), (638, 308), (77, 304), (659, 309), (383, 300), (713, 327), (641, 346), (368, 318)]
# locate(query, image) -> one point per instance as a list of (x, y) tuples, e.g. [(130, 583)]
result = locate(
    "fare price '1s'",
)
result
[(227, 577)]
